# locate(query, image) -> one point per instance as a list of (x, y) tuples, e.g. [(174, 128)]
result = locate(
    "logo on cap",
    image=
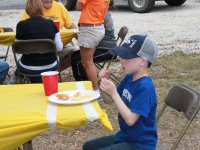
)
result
[(131, 42)]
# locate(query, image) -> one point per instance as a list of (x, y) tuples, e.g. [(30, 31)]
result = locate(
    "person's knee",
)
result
[(5, 67), (87, 146), (86, 64)]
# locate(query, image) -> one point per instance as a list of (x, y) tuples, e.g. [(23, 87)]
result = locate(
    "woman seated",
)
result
[(37, 27)]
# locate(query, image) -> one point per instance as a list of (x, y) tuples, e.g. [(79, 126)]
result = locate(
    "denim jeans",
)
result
[(107, 143), (4, 67)]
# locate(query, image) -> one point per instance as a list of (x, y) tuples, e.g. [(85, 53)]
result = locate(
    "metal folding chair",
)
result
[(6, 55), (183, 99), (36, 46), (120, 38)]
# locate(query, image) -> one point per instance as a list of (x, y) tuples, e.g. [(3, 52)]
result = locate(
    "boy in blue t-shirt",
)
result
[(135, 98)]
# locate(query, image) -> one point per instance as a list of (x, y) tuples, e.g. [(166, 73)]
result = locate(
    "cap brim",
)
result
[(123, 52)]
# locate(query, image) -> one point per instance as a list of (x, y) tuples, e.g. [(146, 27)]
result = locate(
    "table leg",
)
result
[(28, 146)]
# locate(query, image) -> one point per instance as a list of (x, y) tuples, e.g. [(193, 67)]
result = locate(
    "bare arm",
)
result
[(109, 88), (106, 98), (73, 26), (79, 6), (58, 42), (105, 73), (129, 117)]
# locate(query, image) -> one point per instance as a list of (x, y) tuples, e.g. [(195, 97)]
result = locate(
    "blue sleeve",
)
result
[(141, 102), (122, 84)]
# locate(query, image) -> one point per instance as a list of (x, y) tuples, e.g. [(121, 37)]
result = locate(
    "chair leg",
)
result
[(28, 146), (22, 80), (7, 52), (115, 78), (8, 76), (181, 135), (26, 80), (60, 78), (160, 112)]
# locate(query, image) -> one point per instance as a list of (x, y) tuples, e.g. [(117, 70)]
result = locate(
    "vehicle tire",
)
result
[(70, 4), (175, 2), (141, 6)]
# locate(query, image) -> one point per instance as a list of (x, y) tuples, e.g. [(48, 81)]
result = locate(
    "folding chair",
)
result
[(36, 46), (183, 99), (120, 38), (6, 30)]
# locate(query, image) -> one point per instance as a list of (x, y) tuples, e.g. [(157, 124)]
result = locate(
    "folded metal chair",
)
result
[(120, 38), (36, 46), (183, 99)]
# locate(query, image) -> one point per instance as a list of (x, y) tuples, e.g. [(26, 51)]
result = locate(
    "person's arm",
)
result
[(106, 98), (129, 117), (73, 26), (68, 23), (104, 73), (58, 42), (79, 5), (109, 88)]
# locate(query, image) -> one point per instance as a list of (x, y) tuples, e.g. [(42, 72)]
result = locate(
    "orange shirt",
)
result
[(93, 11)]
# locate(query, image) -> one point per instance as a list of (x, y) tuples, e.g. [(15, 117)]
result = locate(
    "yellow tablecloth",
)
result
[(7, 38), (23, 112)]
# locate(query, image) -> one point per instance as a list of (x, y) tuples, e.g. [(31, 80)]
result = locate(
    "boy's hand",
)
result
[(108, 87), (104, 73)]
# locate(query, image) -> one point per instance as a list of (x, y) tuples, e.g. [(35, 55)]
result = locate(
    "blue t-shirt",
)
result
[(140, 97)]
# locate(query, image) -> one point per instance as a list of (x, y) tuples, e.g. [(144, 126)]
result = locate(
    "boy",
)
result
[(135, 98)]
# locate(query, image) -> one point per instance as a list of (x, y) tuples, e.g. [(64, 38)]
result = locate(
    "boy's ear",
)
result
[(144, 62)]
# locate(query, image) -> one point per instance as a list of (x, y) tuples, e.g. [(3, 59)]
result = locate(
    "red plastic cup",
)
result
[(50, 82), (57, 23)]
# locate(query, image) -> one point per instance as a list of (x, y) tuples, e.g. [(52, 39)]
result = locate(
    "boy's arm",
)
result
[(108, 87), (106, 98), (129, 117)]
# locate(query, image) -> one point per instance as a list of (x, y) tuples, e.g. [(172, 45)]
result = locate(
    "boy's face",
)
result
[(133, 65)]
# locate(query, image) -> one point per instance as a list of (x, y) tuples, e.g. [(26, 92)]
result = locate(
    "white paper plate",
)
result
[(93, 95)]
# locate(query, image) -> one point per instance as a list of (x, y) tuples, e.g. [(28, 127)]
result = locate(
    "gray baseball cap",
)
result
[(138, 46)]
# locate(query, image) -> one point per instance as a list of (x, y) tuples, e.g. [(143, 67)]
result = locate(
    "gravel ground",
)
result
[(174, 28)]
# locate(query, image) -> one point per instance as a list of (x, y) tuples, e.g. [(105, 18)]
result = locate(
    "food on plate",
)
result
[(62, 96), (79, 96)]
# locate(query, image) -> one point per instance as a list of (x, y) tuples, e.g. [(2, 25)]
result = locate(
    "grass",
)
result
[(167, 71), (177, 67)]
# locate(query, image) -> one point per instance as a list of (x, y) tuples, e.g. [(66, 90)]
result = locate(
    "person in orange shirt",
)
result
[(91, 33), (56, 12)]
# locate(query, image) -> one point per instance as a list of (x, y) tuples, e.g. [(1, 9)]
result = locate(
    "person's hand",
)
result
[(104, 73), (108, 87)]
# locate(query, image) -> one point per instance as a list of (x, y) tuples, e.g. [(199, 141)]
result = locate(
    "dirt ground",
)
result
[(174, 29)]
